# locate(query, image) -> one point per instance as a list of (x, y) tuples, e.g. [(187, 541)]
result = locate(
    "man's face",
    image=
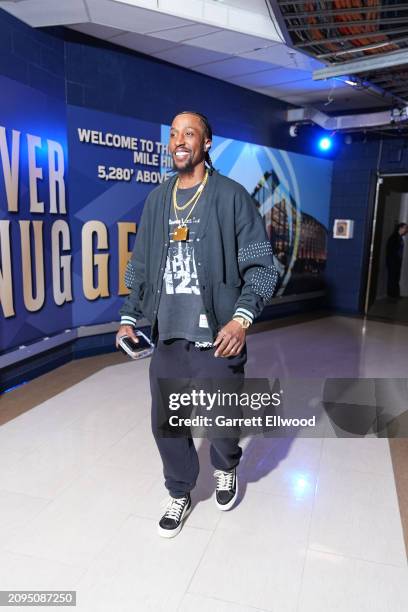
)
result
[(187, 142)]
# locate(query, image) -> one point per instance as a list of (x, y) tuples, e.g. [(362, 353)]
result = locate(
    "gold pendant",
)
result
[(181, 233)]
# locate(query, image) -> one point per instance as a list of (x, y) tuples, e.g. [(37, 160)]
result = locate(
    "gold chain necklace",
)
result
[(181, 232), (191, 200)]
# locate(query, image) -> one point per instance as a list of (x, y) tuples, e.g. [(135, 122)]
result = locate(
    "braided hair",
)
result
[(207, 131)]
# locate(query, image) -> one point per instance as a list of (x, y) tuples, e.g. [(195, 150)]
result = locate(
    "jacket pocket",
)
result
[(225, 297), (147, 302)]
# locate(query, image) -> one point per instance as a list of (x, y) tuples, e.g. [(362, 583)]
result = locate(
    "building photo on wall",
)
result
[(204, 305)]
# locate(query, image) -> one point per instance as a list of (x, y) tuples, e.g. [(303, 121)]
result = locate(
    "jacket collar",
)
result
[(168, 186)]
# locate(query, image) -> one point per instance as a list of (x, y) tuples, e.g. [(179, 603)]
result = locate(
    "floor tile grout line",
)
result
[(63, 488), (38, 515), (94, 463), (390, 474), (47, 559), (310, 548), (115, 535), (309, 527), (199, 563), (229, 601), (92, 556), (365, 472), (95, 556), (149, 518), (66, 428), (27, 524), (355, 558), (47, 499)]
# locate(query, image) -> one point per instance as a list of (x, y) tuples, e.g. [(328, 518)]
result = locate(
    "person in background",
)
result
[(394, 255)]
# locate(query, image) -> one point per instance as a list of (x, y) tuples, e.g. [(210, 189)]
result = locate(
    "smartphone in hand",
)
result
[(136, 350)]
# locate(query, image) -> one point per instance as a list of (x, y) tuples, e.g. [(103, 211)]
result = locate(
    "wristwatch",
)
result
[(243, 322)]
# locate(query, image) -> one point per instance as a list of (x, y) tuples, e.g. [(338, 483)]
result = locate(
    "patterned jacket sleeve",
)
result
[(135, 276), (255, 259)]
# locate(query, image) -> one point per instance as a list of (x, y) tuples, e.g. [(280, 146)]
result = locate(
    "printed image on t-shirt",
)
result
[(180, 275), (181, 309)]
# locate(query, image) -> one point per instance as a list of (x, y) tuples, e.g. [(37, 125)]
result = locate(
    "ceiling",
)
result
[(255, 44), (347, 32)]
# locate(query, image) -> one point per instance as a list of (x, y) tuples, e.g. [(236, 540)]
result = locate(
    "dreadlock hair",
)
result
[(207, 131)]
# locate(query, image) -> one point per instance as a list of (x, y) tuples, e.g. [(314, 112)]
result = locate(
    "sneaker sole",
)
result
[(171, 533), (225, 507)]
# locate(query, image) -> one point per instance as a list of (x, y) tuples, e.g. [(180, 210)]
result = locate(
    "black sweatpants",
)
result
[(180, 359)]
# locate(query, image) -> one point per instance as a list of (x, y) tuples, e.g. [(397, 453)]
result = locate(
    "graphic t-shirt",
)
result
[(181, 310)]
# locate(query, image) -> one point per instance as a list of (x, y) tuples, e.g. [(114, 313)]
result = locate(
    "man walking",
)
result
[(201, 271)]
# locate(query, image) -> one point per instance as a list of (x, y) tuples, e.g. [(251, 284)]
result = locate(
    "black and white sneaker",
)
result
[(171, 522), (226, 491)]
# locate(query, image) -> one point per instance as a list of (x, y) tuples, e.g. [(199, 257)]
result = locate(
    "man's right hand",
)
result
[(126, 330)]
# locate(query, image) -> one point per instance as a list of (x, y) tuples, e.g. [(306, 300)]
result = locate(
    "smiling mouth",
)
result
[(182, 154)]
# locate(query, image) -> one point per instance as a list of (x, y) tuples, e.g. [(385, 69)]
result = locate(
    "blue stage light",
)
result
[(325, 143)]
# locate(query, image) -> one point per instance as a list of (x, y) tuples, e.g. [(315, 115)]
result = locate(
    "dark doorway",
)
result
[(382, 301)]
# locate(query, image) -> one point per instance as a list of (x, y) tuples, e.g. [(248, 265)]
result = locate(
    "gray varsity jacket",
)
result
[(233, 256)]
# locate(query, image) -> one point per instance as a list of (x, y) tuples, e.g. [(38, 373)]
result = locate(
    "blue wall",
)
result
[(353, 197), (32, 57), (352, 191)]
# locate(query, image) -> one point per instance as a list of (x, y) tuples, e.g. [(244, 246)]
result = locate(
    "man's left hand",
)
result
[(230, 340)]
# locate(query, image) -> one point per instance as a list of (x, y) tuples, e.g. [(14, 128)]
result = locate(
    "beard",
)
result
[(187, 166)]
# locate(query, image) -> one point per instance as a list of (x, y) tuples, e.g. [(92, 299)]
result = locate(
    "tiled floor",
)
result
[(318, 526)]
